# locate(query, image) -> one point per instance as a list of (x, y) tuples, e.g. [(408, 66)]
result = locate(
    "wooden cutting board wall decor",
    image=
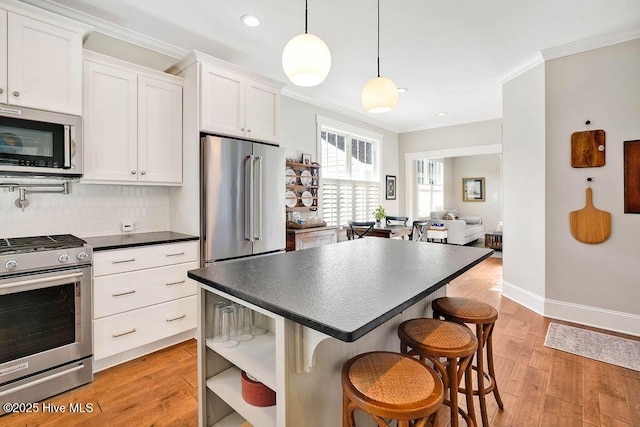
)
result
[(590, 225), (632, 176), (587, 149)]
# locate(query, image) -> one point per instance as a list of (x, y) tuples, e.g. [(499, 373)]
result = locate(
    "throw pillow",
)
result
[(449, 216)]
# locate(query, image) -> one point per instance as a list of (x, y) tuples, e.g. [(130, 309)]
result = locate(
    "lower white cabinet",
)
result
[(142, 295)]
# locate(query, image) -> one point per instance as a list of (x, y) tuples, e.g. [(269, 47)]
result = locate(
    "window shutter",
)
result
[(330, 202)]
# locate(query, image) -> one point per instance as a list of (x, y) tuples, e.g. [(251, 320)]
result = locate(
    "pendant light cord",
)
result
[(306, 13), (378, 21)]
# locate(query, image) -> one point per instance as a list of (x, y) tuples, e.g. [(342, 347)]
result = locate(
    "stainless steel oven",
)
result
[(45, 317), (36, 142)]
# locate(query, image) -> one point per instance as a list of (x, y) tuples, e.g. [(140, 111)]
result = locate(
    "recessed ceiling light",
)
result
[(442, 114), (250, 20), (402, 89)]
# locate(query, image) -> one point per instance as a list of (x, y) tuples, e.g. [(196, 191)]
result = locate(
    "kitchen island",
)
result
[(324, 305)]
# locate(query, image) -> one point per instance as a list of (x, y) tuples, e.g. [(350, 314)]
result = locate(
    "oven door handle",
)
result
[(41, 280), (43, 380)]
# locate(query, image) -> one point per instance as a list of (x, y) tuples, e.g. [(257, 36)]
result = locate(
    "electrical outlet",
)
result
[(127, 226)]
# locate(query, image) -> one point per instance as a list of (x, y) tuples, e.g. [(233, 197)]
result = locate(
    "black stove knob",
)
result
[(63, 258), (82, 256), (12, 264)]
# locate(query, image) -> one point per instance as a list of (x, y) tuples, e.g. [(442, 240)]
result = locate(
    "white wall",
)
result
[(602, 85), (523, 149), (459, 140), (298, 134), (487, 166)]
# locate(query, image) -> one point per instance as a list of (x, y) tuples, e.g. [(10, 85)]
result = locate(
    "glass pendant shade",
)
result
[(379, 95), (306, 60)]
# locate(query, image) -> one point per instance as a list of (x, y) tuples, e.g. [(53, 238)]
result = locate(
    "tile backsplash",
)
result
[(88, 210)]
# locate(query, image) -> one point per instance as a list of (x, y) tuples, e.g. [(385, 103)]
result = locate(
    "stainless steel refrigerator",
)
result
[(242, 199)]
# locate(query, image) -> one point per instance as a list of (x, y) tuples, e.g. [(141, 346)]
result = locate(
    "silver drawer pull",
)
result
[(176, 283), (177, 318), (123, 261), (178, 254), (124, 293), (124, 333)]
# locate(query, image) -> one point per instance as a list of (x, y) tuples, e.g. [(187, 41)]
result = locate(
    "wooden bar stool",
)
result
[(433, 339), (390, 385), (484, 316)]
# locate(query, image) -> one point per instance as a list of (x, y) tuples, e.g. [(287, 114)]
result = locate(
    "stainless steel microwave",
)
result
[(40, 143)]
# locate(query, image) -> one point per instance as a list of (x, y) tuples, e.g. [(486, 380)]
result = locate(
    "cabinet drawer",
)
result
[(123, 260), (122, 332), (117, 293)]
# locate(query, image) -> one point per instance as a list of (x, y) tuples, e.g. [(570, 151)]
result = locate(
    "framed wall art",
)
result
[(390, 185), (473, 189)]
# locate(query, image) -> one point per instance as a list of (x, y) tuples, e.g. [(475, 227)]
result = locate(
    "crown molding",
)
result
[(579, 46), (522, 68), (109, 29), (590, 43), (338, 109), (463, 121)]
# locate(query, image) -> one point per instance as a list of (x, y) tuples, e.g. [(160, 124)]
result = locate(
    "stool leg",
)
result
[(480, 372), (492, 373), (468, 384), (348, 419), (452, 374)]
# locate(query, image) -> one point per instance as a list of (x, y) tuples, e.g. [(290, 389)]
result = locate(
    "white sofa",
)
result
[(460, 231)]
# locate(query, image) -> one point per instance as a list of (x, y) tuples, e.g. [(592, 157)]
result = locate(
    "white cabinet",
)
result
[(142, 295), (132, 123), (43, 64), (235, 105)]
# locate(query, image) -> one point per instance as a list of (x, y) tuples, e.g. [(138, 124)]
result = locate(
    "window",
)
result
[(430, 186), (350, 172)]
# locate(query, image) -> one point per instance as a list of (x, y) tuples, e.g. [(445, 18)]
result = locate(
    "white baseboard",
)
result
[(610, 320), (116, 359), (523, 297), (618, 321)]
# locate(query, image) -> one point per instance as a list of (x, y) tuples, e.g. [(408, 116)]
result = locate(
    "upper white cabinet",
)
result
[(236, 105), (43, 63), (132, 123)]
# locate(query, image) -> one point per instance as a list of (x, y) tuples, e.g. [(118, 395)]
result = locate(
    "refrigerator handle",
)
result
[(258, 161), (249, 192)]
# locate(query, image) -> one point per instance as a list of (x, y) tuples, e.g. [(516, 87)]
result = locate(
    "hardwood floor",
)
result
[(539, 386), (159, 389)]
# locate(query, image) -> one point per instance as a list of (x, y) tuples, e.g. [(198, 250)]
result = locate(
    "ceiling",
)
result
[(450, 54)]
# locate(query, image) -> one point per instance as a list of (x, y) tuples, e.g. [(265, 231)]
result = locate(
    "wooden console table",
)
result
[(493, 240)]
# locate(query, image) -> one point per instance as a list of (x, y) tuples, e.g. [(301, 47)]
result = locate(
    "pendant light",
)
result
[(306, 59), (380, 94)]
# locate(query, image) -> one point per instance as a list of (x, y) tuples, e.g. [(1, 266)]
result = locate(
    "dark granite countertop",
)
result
[(346, 289), (121, 241)]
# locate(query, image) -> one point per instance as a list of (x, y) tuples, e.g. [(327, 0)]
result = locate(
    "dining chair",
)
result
[(402, 219), (418, 231), (360, 228)]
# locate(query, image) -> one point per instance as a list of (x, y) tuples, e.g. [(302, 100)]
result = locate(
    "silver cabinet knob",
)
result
[(242, 129), (16, 93), (82, 256), (248, 130), (133, 172), (63, 258), (143, 173), (1, 90), (11, 264)]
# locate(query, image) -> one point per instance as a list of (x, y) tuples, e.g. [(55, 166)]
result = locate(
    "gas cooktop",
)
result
[(39, 243), (24, 254)]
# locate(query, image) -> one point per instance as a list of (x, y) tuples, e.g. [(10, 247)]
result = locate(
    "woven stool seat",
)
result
[(484, 316), (433, 339), (467, 310), (390, 385)]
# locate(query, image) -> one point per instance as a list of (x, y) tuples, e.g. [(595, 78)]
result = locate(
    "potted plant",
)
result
[(379, 213)]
